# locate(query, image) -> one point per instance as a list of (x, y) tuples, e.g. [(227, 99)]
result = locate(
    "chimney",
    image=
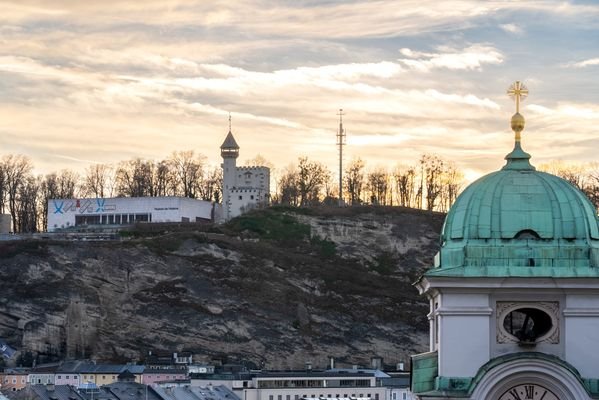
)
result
[(376, 362), (50, 387), (400, 366), (308, 366), (332, 362)]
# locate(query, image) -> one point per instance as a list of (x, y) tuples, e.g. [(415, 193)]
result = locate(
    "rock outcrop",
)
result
[(272, 288)]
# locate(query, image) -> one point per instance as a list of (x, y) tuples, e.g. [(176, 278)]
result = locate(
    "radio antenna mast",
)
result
[(341, 142)]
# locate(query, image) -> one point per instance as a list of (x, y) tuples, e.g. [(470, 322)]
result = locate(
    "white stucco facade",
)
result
[(244, 188), (66, 213)]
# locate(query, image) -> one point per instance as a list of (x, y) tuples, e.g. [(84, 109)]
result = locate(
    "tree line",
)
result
[(431, 184), (585, 176), (25, 195)]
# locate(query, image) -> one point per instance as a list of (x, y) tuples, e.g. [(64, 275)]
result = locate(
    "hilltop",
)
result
[(275, 287)]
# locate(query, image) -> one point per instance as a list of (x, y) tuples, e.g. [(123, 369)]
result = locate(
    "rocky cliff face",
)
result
[(274, 288)]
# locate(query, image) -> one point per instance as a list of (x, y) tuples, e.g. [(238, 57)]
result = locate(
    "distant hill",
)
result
[(275, 287)]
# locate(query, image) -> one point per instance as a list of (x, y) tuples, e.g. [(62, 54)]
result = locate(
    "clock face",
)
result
[(528, 391)]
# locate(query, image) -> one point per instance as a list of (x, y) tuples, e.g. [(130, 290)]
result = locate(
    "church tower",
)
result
[(514, 290), (229, 151)]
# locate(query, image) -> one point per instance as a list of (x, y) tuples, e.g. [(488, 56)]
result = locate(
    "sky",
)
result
[(84, 82)]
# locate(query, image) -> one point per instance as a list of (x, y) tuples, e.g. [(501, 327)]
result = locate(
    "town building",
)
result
[(77, 373), (13, 379), (122, 211), (514, 291), (355, 384), (244, 188), (42, 374), (153, 376)]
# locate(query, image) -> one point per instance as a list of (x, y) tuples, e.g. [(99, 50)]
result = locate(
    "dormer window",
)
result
[(527, 234)]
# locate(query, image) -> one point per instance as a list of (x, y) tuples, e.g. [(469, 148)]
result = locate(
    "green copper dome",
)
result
[(520, 222)]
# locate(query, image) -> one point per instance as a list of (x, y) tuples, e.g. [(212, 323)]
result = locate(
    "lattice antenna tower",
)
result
[(341, 141)]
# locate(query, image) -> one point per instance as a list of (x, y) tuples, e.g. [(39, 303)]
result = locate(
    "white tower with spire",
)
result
[(244, 188)]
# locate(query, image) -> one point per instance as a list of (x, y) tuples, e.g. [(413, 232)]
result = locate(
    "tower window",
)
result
[(527, 324), (240, 197)]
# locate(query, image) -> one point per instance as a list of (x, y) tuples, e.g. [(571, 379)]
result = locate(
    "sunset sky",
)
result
[(86, 82)]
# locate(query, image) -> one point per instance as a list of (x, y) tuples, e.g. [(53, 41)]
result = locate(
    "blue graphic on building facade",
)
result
[(58, 207), (101, 203)]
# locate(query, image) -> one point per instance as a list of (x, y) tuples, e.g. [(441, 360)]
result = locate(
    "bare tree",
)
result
[(211, 189), (97, 181), (378, 186), (288, 193), (17, 169), (3, 189), (27, 205), (433, 170), (354, 180), (188, 169), (452, 180), (405, 180), (165, 181), (134, 178), (311, 176)]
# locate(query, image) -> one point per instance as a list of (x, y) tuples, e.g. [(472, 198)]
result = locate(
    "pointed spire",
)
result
[(229, 148), (518, 158)]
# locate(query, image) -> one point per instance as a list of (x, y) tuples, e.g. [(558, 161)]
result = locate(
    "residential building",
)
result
[(156, 375), (42, 374), (14, 379), (200, 369)]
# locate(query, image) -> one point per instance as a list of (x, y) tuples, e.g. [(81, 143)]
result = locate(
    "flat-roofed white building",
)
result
[(336, 384), (68, 213)]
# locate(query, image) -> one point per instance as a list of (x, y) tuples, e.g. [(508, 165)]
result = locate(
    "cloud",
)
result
[(470, 58), (586, 63), (512, 28)]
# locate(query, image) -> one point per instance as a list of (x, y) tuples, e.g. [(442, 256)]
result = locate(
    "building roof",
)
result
[(5, 350), (49, 368), (58, 392), (195, 393), (519, 222), (230, 142), (162, 371), (87, 367), (334, 373), (132, 391)]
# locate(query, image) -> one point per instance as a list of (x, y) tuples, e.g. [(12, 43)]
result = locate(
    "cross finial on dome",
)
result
[(518, 158), (518, 92)]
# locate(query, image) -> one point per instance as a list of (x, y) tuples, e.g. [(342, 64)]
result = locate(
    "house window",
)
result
[(376, 396), (59, 377), (14, 380), (23, 380), (252, 197), (405, 396), (270, 397), (280, 397), (240, 197)]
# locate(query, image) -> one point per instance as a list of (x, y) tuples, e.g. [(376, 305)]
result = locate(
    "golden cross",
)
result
[(518, 91)]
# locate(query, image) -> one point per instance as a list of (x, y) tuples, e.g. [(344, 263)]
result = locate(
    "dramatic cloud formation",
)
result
[(87, 82)]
